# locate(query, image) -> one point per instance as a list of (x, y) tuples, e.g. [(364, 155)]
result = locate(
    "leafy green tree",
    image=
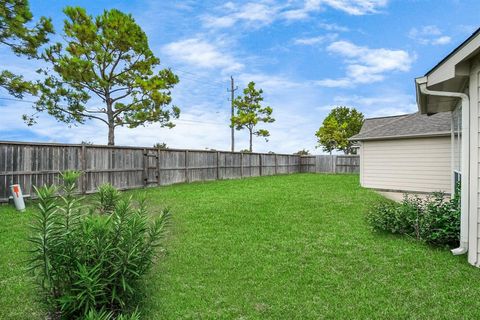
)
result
[(328, 135), (106, 57), (160, 145), (340, 124), (17, 33), (249, 112), (303, 152)]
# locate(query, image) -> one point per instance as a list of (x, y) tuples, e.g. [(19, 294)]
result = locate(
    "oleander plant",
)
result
[(89, 264)]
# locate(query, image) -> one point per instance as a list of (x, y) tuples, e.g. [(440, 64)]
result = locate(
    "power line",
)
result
[(196, 75), (179, 120), (211, 86), (200, 122), (17, 100), (204, 83)]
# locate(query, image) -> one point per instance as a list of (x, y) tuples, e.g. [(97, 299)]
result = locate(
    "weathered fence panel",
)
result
[(331, 164), (347, 164), (269, 164), (37, 164), (172, 167)]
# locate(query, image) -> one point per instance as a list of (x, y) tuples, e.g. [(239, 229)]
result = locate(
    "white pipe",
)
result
[(17, 197), (452, 156), (465, 165)]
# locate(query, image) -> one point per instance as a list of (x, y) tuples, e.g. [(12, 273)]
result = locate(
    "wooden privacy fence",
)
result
[(331, 164), (37, 164)]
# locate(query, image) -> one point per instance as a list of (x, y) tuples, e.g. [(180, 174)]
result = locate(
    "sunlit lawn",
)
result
[(273, 247)]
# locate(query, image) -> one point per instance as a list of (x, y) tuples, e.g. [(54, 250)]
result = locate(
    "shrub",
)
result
[(441, 221), (88, 264), (382, 216), (408, 216), (106, 198), (397, 218), (435, 219)]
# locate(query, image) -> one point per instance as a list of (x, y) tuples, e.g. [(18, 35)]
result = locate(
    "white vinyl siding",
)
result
[(411, 165)]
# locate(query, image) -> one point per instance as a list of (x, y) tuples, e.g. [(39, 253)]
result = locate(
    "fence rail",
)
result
[(36, 164)]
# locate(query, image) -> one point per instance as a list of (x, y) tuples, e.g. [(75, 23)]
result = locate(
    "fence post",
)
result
[(84, 168), (186, 165), (159, 152), (260, 164), (241, 165), (218, 165), (276, 165), (145, 167)]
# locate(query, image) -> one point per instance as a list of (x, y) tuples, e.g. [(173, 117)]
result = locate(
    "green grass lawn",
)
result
[(274, 247)]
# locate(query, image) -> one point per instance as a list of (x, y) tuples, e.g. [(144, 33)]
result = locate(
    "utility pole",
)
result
[(232, 91)]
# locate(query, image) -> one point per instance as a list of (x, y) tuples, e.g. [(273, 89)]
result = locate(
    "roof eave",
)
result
[(407, 136), (449, 75)]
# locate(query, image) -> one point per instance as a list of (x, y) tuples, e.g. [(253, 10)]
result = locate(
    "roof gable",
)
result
[(405, 126), (454, 51), (451, 74)]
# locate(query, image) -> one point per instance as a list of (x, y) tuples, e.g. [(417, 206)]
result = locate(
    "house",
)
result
[(407, 153), (453, 86)]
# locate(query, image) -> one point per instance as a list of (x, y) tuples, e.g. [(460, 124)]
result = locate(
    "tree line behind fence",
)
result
[(37, 164)]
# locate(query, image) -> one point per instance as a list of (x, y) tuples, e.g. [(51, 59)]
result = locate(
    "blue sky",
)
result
[(308, 56)]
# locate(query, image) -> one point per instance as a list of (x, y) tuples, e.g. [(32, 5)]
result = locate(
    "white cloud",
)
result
[(309, 6), (200, 53), (351, 7), (269, 83), (429, 35), (333, 27), (357, 7), (253, 14), (219, 22), (261, 13), (334, 83), (385, 104), (392, 111), (366, 65), (315, 40), (442, 40)]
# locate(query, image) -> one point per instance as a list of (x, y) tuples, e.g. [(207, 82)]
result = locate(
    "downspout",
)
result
[(465, 166), (452, 156)]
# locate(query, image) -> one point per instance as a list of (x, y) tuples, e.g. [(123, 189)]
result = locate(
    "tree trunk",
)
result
[(251, 144), (111, 135), (111, 122)]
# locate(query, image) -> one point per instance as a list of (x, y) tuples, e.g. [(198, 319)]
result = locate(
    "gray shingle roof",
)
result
[(404, 126)]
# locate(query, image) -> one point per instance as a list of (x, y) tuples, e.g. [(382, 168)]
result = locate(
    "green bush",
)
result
[(382, 216), (89, 265), (397, 218), (435, 219), (106, 198), (441, 221)]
